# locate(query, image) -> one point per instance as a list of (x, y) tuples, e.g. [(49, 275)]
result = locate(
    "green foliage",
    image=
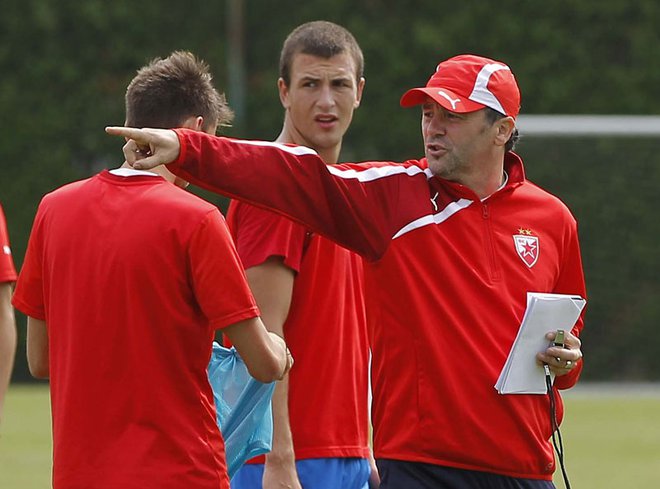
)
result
[(66, 64), (610, 186)]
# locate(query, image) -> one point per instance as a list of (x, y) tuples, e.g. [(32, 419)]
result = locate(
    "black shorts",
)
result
[(398, 474)]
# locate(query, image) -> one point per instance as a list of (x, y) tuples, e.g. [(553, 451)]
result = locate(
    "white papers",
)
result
[(545, 312)]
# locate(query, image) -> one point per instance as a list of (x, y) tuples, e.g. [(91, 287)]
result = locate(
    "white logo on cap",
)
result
[(452, 101), (6, 250), (480, 92)]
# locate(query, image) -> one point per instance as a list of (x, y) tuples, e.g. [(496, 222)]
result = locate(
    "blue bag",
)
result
[(243, 407)]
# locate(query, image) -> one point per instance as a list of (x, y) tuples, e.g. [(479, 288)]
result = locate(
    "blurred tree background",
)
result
[(65, 65)]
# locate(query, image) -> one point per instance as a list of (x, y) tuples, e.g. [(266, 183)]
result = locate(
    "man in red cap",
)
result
[(453, 243)]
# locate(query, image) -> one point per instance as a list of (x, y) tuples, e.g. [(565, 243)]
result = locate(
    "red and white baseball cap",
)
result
[(467, 83)]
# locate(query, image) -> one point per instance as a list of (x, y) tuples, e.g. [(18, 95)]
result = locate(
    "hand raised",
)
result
[(147, 148)]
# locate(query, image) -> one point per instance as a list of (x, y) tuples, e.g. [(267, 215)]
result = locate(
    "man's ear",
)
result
[(283, 90), (504, 127), (360, 88), (196, 123)]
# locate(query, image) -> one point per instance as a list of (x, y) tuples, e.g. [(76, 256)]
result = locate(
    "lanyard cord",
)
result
[(556, 434)]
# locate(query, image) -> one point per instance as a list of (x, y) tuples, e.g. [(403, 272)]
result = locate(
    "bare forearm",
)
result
[(282, 452), (37, 348), (280, 469), (264, 353), (7, 350), (272, 285)]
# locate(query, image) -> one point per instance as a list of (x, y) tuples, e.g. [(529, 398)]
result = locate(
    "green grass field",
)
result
[(610, 440), (25, 440)]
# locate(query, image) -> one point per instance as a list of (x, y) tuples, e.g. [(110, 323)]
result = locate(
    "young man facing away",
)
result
[(125, 280), (309, 289), (455, 241), (7, 321)]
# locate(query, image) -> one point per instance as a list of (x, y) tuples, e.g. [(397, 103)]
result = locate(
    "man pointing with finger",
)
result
[(455, 241)]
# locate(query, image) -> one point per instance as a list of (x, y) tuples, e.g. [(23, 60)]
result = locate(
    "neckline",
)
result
[(131, 172)]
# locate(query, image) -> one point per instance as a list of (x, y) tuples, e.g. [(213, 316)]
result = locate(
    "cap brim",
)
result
[(446, 98)]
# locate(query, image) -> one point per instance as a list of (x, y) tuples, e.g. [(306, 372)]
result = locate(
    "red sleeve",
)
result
[(260, 234), (571, 281), (342, 202), (218, 278), (7, 270), (29, 294)]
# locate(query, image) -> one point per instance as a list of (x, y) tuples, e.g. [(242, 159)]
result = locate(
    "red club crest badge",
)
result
[(527, 246)]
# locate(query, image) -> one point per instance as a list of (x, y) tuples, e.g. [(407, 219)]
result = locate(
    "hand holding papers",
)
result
[(545, 312)]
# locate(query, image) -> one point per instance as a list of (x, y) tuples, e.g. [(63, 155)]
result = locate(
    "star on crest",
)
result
[(524, 232), (529, 249)]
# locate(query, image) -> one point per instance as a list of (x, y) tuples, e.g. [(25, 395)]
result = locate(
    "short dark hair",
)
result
[(323, 39), (493, 116), (166, 92)]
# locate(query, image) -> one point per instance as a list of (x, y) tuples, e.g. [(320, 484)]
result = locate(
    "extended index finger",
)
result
[(138, 135)]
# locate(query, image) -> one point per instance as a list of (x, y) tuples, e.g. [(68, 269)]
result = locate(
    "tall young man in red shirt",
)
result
[(309, 289), (7, 322), (454, 242), (123, 330)]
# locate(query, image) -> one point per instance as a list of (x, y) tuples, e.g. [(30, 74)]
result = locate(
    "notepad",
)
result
[(545, 312)]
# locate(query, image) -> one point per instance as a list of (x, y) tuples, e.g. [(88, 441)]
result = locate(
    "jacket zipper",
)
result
[(494, 271)]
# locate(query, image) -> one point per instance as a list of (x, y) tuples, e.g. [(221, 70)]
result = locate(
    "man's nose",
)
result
[(326, 97), (437, 124)]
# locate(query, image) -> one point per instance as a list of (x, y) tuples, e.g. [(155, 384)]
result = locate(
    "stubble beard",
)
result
[(446, 167)]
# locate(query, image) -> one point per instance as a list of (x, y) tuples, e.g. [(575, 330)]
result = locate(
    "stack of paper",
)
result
[(545, 312)]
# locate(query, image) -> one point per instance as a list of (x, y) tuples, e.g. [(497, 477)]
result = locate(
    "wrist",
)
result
[(288, 363), (281, 458)]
